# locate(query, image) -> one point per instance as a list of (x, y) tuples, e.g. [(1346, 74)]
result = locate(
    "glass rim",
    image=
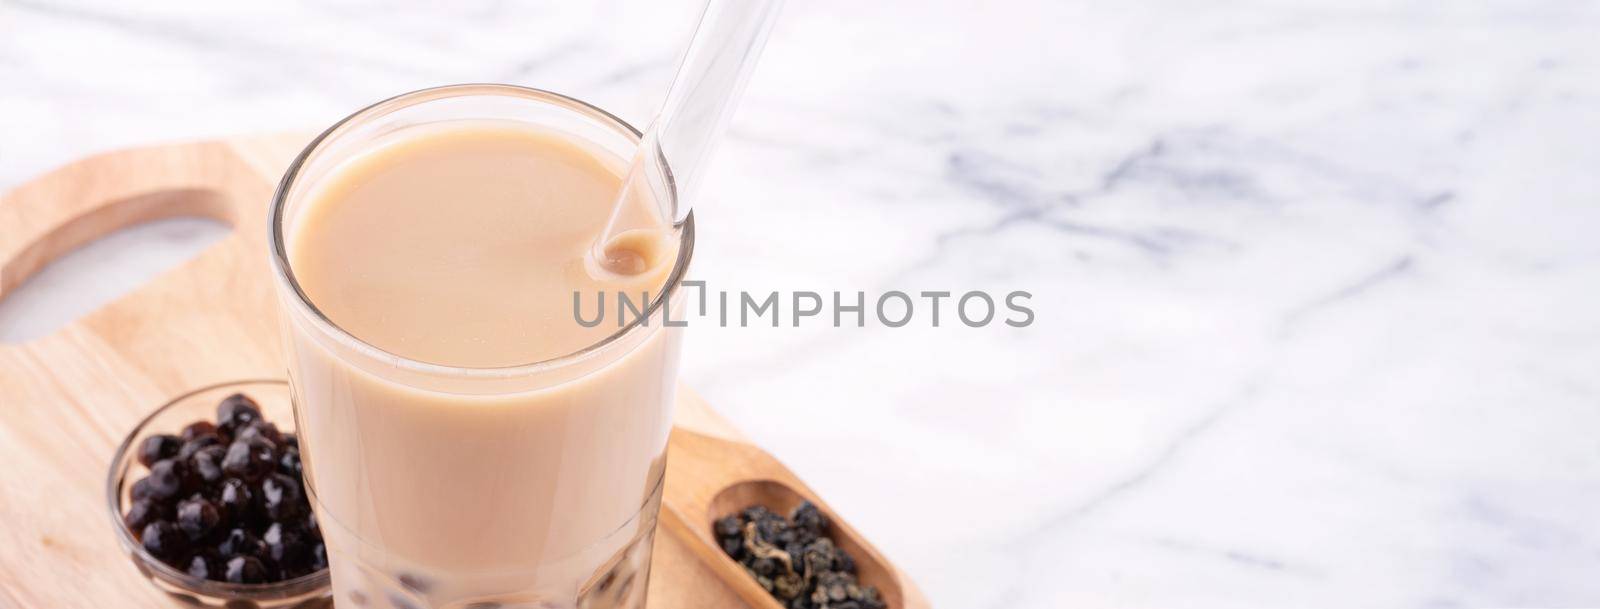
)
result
[(284, 274)]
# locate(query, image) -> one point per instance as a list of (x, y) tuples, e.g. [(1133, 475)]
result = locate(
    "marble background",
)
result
[(1317, 283)]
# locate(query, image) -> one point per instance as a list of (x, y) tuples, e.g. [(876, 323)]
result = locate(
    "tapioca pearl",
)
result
[(143, 512), (198, 429), (164, 540), (158, 447), (240, 542), (197, 517), (236, 411), (245, 570), (204, 565), (250, 459), (287, 548), (319, 557), (141, 489), (289, 464), (282, 498), (207, 464), (260, 428), (168, 479), (236, 500)]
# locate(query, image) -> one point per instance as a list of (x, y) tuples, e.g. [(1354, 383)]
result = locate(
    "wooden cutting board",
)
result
[(67, 399)]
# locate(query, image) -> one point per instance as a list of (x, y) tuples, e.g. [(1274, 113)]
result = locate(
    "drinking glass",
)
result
[(535, 485)]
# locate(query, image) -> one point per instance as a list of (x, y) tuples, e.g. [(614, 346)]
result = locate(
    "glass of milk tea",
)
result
[(470, 437)]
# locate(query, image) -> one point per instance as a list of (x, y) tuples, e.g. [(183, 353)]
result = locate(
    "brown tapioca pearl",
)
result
[(204, 565), (289, 464), (319, 557), (164, 540), (143, 512), (288, 549), (281, 497), (309, 525), (245, 570), (260, 428), (168, 478), (198, 517), (236, 411), (240, 542), (207, 464), (224, 512), (236, 500), (196, 445), (158, 447), (249, 459), (141, 489), (198, 429)]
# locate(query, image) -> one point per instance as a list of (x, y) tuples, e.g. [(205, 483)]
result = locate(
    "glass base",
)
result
[(611, 574)]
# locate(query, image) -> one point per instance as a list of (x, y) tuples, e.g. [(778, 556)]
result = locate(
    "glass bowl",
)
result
[(304, 592)]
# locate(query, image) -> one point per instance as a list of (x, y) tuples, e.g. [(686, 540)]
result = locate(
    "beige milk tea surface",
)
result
[(461, 245)]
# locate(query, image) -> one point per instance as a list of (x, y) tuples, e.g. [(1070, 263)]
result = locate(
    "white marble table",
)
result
[(1318, 283)]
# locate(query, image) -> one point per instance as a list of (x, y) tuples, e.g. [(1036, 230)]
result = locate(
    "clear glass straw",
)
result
[(675, 149)]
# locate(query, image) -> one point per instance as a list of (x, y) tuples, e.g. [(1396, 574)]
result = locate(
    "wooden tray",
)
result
[(68, 398)]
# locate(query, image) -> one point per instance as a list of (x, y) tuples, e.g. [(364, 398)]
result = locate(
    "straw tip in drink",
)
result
[(624, 261), (630, 253)]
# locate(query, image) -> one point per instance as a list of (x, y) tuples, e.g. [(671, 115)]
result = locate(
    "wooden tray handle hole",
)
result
[(98, 256)]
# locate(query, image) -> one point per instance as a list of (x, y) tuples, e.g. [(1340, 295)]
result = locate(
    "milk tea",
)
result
[(442, 475)]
